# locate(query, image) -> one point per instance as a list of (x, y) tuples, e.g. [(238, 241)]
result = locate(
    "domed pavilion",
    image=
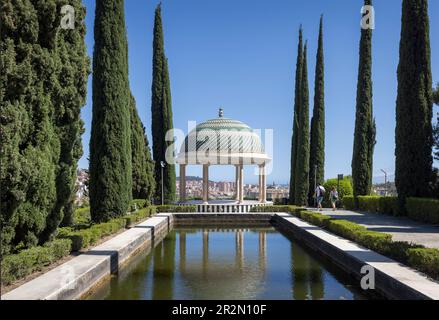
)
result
[(223, 141)]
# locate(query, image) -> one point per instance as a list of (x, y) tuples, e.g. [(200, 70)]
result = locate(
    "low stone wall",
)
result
[(392, 279), (203, 219), (74, 278)]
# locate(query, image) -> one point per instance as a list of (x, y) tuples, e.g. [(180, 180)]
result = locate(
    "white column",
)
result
[(205, 183), (237, 183), (260, 184), (241, 183), (264, 184), (182, 182)]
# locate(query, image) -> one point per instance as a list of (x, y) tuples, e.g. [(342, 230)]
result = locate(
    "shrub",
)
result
[(24, 263), (377, 241), (398, 250), (175, 208), (389, 205), (346, 229), (344, 190), (137, 204), (81, 216), (425, 210), (349, 202), (368, 203), (426, 260), (60, 248), (314, 218)]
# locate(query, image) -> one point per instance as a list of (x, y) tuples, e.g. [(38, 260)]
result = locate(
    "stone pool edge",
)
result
[(393, 280), (76, 277)]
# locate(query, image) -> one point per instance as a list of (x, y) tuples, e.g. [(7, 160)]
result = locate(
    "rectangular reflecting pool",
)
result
[(228, 263)]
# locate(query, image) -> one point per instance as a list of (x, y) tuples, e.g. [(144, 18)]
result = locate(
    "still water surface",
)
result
[(255, 263)]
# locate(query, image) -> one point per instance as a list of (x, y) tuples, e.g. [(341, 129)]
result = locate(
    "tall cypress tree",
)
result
[(317, 143), (414, 140), (110, 145), (161, 109), (142, 164), (365, 130), (297, 102), (302, 162), (42, 88)]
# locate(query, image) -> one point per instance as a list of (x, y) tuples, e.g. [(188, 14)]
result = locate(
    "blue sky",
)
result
[(241, 55)]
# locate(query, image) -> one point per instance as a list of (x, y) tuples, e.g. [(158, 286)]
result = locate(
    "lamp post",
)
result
[(315, 185), (385, 182), (162, 165)]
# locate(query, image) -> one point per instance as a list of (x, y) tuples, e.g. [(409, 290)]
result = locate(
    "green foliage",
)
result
[(369, 203), (161, 109), (43, 81), (143, 183), (81, 216), (365, 129), (317, 137), (314, 218), (17, 266), (344, 190), (416, 256), (110, 145), (175, 209), (346, 229), (426, 210), (137, 204), (349, 202), (297, 104), (426, 260), (302, 162), (83, 236), (413, 134)]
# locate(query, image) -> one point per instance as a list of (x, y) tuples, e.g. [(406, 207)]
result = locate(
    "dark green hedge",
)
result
[(425, 210), (421, 209), (83, 237), (415, 256), (24, 263), (349, 202)]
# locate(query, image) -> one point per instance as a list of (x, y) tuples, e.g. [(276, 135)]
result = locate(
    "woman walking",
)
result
[(333, 196)]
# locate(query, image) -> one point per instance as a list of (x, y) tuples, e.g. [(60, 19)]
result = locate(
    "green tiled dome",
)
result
[(223, 135)]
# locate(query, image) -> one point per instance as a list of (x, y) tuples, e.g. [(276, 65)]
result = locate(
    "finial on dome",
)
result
[(221, 112)]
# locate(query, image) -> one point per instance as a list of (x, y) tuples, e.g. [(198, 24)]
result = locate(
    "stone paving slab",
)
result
[(401, 228), (393, 275)]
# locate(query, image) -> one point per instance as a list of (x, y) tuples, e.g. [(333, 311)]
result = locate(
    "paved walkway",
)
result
[(402, 229)]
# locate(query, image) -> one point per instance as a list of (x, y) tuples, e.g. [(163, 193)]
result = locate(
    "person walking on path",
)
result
[(333, 196), (319, 194)]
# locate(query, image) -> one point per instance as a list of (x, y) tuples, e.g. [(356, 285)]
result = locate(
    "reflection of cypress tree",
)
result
[(316, 280), (157, 287), (164, 268), (182, 243), (299, 272), (169, 265)]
